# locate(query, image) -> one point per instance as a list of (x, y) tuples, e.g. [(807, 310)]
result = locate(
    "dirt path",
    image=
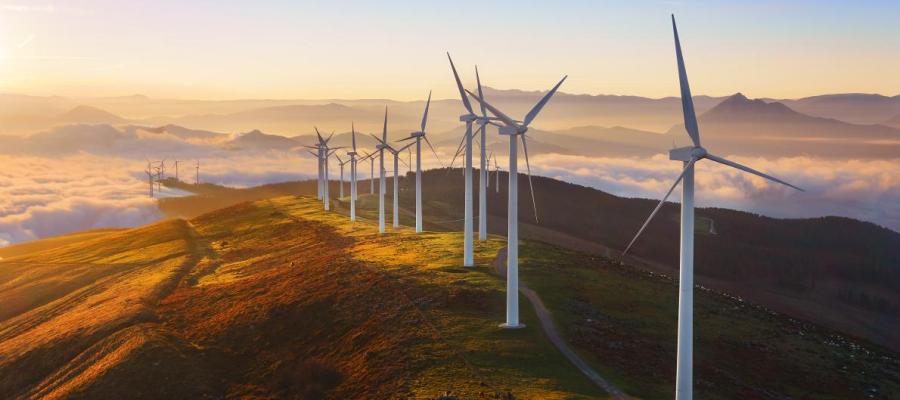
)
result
[(549, 328)]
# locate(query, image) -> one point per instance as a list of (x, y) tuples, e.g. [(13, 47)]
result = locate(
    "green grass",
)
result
[(624, 322)]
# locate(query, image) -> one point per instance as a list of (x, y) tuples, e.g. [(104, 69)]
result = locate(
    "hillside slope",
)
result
[(272, 299)]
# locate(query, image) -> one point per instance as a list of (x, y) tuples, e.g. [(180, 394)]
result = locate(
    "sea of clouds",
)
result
[(90, 183)]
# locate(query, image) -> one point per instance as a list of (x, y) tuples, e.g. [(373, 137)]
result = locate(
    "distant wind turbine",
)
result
[(149, 172), (688, 156), (418, 136), (352, 153), (514, 130), (396, 198), (197, 176), (381, 188), (341, 163), (469, 117)]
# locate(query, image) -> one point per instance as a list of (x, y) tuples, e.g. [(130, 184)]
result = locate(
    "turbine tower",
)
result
[(396, 198), (380, 149), (515, 130), (688, 156), (325, 153), (468, 118), (149, 172), (341, 163), (484, 176), (418, 136), (197, 176), (352, 153)]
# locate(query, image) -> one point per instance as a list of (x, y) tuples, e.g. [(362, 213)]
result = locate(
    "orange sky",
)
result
[(281, 49)]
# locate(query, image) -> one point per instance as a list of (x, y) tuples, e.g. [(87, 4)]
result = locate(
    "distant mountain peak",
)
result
[(89, 115), (738, 107)]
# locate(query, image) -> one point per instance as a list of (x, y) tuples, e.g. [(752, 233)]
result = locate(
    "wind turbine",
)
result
[(418, 136), (497, 170), (483, 120), (176, 170), (352, 153), (149, 172), (379, 148), (197, 177), (468, 118), (325, 152), (396, 198), (514, 130), (689, 156), (341, 163)]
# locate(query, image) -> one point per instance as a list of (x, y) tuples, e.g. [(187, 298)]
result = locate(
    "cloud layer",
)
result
[(94, 177)]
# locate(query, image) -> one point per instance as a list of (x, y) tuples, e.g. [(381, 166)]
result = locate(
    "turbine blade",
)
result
[(379, 140), (540, 104), (384, 131), (503, 117), (405, 139), (687, 103), (658, 206), (480, 93), (406, 147), (745, 168), (318, 134), (425, 114), (530, 185), (433, 151), (313, 154), (353, 135), (459, 85), (459, 148)]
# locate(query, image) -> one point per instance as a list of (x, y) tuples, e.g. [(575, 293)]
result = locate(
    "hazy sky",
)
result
[(394, 49)]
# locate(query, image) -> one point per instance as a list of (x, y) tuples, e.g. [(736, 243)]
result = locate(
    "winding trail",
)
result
[(549, 328)]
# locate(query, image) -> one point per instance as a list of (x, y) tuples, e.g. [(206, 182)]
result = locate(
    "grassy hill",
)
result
[(277, 299), (272, 299), (836, 272)]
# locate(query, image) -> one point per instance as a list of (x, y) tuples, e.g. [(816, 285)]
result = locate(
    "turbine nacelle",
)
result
[(468, 118), (512, 130), (687, 153), (417, 134)]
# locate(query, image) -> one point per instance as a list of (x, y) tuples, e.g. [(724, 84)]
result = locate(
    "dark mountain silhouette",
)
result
[(89, 115), (178, 131), (858, 108), (739, 125), (258, 140)]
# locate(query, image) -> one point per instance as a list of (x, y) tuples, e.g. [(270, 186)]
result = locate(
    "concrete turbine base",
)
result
[(508, 326)]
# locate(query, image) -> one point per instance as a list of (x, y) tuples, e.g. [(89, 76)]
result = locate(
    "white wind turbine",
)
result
[(514, 130), (689, 156), (341, 164), (468, 118), (379, 148), (396, 197), (352, 153), (497, 170), (326, 154), (319, 147), (418, 136), (149, 172), (483, 120)]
